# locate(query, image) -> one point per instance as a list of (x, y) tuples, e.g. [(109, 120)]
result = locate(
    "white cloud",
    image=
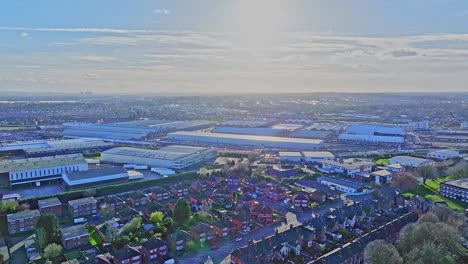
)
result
[(94, 58), (24, 34)]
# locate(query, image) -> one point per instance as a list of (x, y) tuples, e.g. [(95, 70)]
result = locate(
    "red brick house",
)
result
[(202, 232), (180, 190), (127, 255), (159, 194), (263, 189), (179, 238), (51, 205), (22, 221), (233, 180), (153, 248), (300, 201), (136, 198), (224, 227), (242, 220), (262, 213), (199, 186), (277, 194)]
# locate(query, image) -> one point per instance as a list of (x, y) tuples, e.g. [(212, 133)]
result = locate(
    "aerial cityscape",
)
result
[(233, 132)]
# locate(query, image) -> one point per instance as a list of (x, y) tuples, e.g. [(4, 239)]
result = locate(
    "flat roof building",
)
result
[(51, 205), (290, 156), (246, 140), (374, 133), (443, 154), (314, 156), (173, 157), (409, 161), (96, 177), (341, 185), (31, 170), (456, 189)]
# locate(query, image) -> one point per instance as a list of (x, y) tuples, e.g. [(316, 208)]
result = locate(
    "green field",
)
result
[(94, 237), (382, 162), (430, 190)]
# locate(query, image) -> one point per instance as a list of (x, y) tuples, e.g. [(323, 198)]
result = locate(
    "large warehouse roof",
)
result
[(262, 131), (43, 162), (370, 138), (167, 153), (249, 137), (371, 129), (90, 174)]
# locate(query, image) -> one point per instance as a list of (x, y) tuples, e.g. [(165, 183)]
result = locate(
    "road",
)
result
[(226, 246)]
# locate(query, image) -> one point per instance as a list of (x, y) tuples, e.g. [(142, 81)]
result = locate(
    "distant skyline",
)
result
[(246, 46)]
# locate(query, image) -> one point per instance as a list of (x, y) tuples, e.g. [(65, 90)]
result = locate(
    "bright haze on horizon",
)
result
[(205, 46)]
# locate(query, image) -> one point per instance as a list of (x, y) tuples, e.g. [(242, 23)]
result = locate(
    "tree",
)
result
[(24, 207), (167, 222), (8, 206), (50, 223), (89, 192), (404, 181), (182, 211), (106, 212), (156, 217), (52, 251), (380, 252), (427, 172), (133, 226), (41, 237)]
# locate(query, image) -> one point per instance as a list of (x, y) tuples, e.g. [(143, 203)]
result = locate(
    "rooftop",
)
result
[(290, 154), (249, 137), (166, 153), (49, 202), (82, 201), (318, 154), (23, 215), (73, 231), (347, 166), (461, 183), (408, 160), (354, 185), (81, 175), (42, 162)]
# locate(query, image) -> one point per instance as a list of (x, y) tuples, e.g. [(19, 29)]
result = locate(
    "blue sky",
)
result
[(242, 46)]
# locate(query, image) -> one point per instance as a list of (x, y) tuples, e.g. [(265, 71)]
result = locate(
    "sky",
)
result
[(213, 46)]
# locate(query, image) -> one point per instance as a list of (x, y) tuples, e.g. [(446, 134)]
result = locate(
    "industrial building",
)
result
[(290, 156), (173, 157), (96, 177), (35, 170), (56, 147), (259, 131), (315, 156), (130, 130), (409, 161), (375, 134), (245, 140), (443, 154), (347, 168), (341, 185)]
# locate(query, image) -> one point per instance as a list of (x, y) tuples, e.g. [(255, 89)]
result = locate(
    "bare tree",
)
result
[(404, 181), (427, 172), (380, 252)]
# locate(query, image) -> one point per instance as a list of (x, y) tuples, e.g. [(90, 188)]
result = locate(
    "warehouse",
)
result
[(290, 157), (374, 134), (130, 130), (347, 168), (245, 140), (35, 170), (173, 157), (443, 154), (86, 179), (259, 131), (315, 156), (409, 161), (341, 185)]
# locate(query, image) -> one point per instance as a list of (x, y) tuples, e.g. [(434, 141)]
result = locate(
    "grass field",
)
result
[(94, 237), (382, 162), (430, 190)]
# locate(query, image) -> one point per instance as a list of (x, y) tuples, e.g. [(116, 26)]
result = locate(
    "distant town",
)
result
[(234, 179)]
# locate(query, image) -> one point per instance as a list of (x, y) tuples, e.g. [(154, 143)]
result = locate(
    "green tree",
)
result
[(52, 251), (156, 217), (50, 223), (41, 238), (167, 222), (182, 211), (133, 226), (106, 212), (380, 252), (8, 206), (427, 172)]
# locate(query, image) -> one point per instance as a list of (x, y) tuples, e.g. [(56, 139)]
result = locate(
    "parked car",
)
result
[(237, 239), (213, 247)]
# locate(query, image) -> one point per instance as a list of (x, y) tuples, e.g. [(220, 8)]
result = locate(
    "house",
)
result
[(113, 202), (128, 255), (179, 238), (222, 192), (412, 162), (202, 232), (213, 181), (242, 220), (154, 248), (233, 180), (159, 194), (82, 207), (300, 201), (179, 190), (262, 189), (22, 221), (199, 186), (346, 168), (262, 213), (224, 227), (127, 214), (152, 207), (251, 183), (51, 206), (277, 194), (317, 191), (74, 236), (136, 198), (280, 173), (246, 199), (382, 176), (422, 203)]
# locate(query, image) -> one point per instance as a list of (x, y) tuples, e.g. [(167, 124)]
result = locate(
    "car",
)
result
[(237, 239), (247, 229), (213, 247)]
